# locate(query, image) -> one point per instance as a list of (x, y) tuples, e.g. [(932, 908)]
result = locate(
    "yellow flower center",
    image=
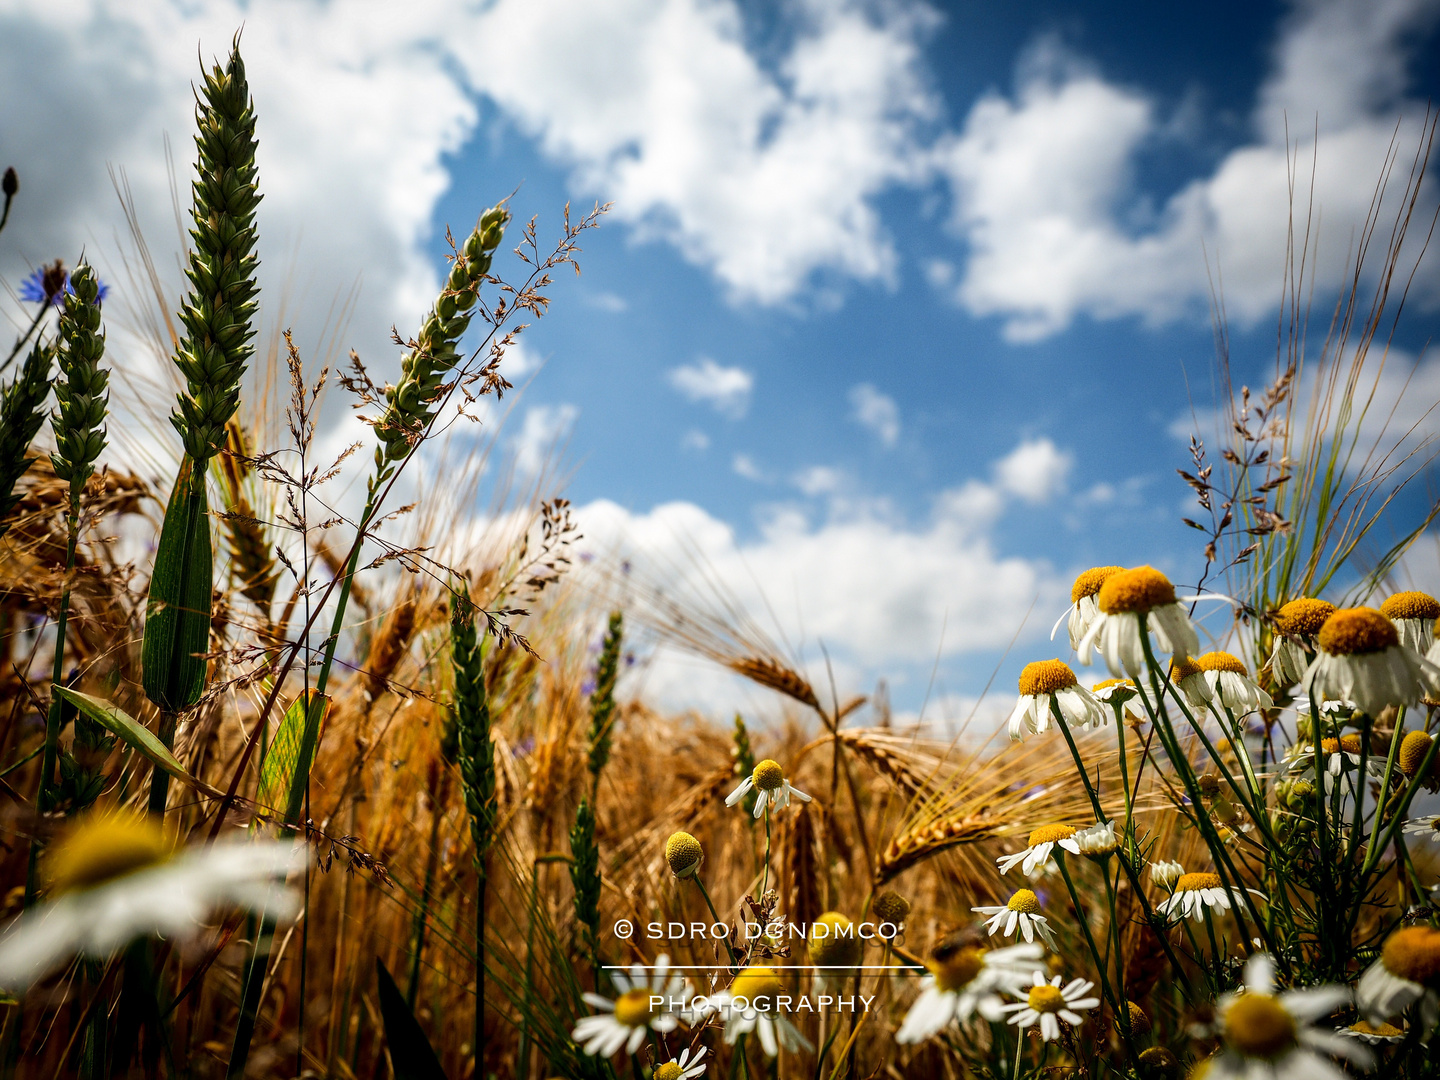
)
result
[(1160, 1061), (958, 969), (1258, 1026), (837, 945), (1046, 677), (1411, 605), (632, 1008), (1046, 999), (1413, 953), (683, 852), (1413, 749), (1026, 901), (1180, 669), (756, 982), (101, 848), (668, 1071), (1352, 631), (1303, 617), (1196, 882), (1049, 834), (1105, 684), (891, 907), (1221, 661), (1138, 590), (1139, 1022), (768, 775), (1088, 583)]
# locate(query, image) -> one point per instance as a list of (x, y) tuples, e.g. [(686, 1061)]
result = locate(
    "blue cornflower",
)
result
[(49, 284)]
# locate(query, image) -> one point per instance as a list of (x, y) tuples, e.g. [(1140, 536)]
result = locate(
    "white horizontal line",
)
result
[(781, 967)]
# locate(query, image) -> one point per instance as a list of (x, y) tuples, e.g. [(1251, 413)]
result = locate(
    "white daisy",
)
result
[(1037, 854), (1046, 1004), (1230, 683), (1361, 660), (965, 981), (1115, 693), (1414, 615), (1083, 609), (1190, 680), (1270, 1037), (683, 1067), (769, 779), (114, 878), (1122, 600), (1166, 874), (1296, 626), (750, 1005), (1374, 1034), (1047, 680), (1342, 759), (1021, 910), (1427, 827), (1193, 894), (1098, 841), (1406, 972), (627, 1020)]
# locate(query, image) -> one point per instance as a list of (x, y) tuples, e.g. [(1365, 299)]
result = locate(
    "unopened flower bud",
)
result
[(11, 184), (891, 907), (684, 854), (1209, 784)]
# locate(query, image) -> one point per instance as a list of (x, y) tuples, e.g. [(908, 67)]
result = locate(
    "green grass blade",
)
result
[(286, 768), (135, 735), (411, 1055)]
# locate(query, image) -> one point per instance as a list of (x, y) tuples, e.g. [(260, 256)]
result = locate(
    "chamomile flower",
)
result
[(965, 981), (1083, 609), (1296, 626), (1411, 758), (1338, 754), (1408, 971), (684, 1067), (1374, 1034), (1042, 841), (1122, 600), (1427, 827), (627, 1021), (1045, 681), (1023, 911), (1166, 874), (1098, 841), (769, 780), (114, 878), (750, 1005), (1361, 660), (1190, 680), (1046, 1004), (1193, 894), (1230, 683), (834, 947), (684, 854), (1116, 693), (1414, 615), (1272, 1037)]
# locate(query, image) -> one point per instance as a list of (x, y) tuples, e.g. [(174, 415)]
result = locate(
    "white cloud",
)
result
[(696, 440), (726, 389), (744, 465), (819, 480), (1043, 193), (610, 302), (1035, 470), (876, 411), (544, 428)]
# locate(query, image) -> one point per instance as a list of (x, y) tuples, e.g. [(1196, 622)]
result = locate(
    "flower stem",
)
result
[(1100, 965)]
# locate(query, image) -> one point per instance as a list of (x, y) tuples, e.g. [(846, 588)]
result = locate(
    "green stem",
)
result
[(1395, 738), (1100, 965), (730, 949)]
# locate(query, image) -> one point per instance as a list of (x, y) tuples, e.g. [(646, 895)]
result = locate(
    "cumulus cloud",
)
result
[(542, 431), (726, 389), (876, 411), (1043, 185), (1035, 470)]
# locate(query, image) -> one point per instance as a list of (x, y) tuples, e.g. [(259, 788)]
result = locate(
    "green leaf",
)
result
[(134, 734), (411, 1055), (286, 768), (177, 612)]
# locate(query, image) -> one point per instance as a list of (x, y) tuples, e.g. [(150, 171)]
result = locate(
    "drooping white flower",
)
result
[(1123, 600), (1230, 683), (627, 1021), (1414, 615), (1045, 681), (1361, 659), (1037, 853), (769, 780), (751, 1004), (1406, 972), (963, 982), (1342, 758), (1083, 609), (114, 878), (1296, 625)]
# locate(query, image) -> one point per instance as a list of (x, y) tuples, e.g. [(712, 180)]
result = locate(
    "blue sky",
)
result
[(898, 306)]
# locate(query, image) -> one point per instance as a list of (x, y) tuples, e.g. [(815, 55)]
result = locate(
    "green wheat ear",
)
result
[(212, 355), (21, 414)]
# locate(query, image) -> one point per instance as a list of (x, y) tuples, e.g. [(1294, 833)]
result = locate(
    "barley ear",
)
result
[(21, 414)]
